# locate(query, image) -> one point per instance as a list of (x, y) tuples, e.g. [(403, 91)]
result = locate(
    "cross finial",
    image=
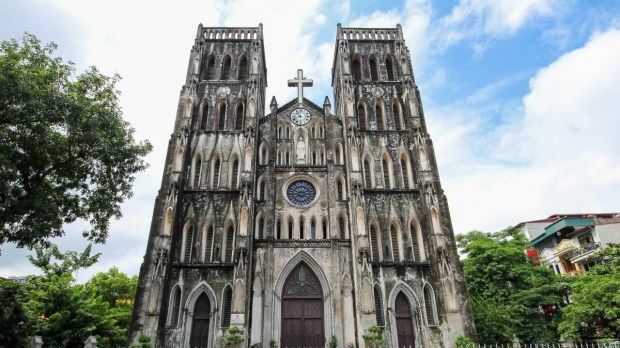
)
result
[(300, 83)]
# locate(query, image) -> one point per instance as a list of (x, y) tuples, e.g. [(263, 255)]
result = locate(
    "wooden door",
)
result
[(200, 324), (302, 310), (404, 322)]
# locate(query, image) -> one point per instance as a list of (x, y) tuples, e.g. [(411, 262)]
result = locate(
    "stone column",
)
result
[(257, 312)]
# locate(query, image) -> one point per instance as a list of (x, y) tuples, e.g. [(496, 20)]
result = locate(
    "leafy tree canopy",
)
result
[(511, 296), (15, 324), (65, 151)]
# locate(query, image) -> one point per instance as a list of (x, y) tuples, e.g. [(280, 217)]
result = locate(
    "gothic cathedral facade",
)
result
[(301, 225)]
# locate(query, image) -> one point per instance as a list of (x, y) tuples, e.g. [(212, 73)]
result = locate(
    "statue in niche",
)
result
[(301, 148)]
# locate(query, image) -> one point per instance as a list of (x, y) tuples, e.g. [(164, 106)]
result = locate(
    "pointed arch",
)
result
[(197, 171), (234, 172), (324, 231), (290, 225), (404, 169), (209, 238), (342, 226), (226, 64), (355, 160), (396, 241), (239, 116), (210, 75), (424, 166), (312, 228), (278, 234), (175, 306), (168, 221), (389, 66), (259, 232), (398, 118), (375, 241), (263, 154), (178, 161), (188, 242), (221, 120), (200, 308), (435, 221), (249, 155), (338, 153), (386, 163), (407, 308), (357, 69), (430, 305), (243, 68), (374, 69), (229, 243), (204, 115), (380, 116), (362, 116), (368, 172), (378, 306), (302, 228), (416, 241), (226, 306), (215, 172)]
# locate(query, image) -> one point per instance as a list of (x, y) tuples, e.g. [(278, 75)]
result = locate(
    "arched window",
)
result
[(260, 191), (215, 179), (226, 68), (239, 116), (289, 231), (357, 69), (197, 171), (337, 154), (389, 66), (205, 115), (312, 229), (395, 243), (226, 307), (379, 117), (429, 305), (221, 122), (234, 183), (188, 246), (211, 68), (278, 229), (339, 195), (243, 68), (176, 306), (302, 223), (342, 227), (324, 228), (379, 307), (228, 253), (361, 113), (398, 120), (415, 243), (260, 227), (405, 170), (386, 173), (263, 154), (374, 70), (367, 173), (209, 244), (374, 242)]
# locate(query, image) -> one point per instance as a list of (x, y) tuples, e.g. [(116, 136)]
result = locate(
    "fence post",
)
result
[(36, 342)]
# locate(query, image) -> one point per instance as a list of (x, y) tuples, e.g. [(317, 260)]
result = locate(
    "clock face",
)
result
[(300, 116)]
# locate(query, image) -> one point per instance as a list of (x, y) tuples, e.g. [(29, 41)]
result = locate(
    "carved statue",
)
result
[(301, 148)]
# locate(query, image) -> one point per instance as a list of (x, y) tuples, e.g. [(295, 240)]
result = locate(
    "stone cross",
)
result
[(300, 83)]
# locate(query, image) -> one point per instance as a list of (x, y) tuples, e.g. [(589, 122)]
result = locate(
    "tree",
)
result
[(595, 308), (65, 151), (15, 324), (512, 297)]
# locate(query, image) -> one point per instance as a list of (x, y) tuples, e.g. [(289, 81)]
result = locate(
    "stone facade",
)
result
[(302, 223)]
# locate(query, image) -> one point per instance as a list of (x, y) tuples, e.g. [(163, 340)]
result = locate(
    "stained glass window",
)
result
[(301, 192)]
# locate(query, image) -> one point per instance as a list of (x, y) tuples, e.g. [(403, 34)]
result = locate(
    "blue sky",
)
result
[(520, 97)]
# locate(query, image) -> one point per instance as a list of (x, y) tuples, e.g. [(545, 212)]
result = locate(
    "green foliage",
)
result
[(15, 324), (374, 335), (70, 263), (595, 308), (273, 344), (465, 342), (65, 151), (333, 342), (508, 290), (233, 337), (143, 342)]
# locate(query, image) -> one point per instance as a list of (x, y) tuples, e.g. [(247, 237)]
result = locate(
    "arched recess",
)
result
[(317, 270), (403, 66), (187, 112), (168, 221), (243, 222), (397, 241), (379, 315), (357, 69), (355, 160), (259, 228), (362, 116), (226, 65), (424, 166), (178, 161), (324, 230), (238, 120), (188, 242), (380, 116), (435, 221), (243, 68), (338, 154), (221, 118), (417, 245), (430, 305), (401, 317), (389, 66), (374, 69), (251, 107), (210, 75), (201, 308), (208, 241), (229, 243), (341, 188), (398, 115), (204, 115), (375, 241), (343, 226), (386, 164), (227, 299), (278, 233), (197, 171), (369, 180), (405, 171), (261, 190), (234, 172), (361, 221), (215, 172), (175, 306), (263, 155), (248, 159)]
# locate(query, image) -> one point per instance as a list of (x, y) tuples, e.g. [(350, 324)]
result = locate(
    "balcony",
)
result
[(583, 252)]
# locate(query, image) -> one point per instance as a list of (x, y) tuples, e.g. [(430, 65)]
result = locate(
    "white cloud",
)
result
[(561, 156)]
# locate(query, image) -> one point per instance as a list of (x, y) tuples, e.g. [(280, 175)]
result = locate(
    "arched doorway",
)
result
[(200, 323), (404, 321), (302, 310)]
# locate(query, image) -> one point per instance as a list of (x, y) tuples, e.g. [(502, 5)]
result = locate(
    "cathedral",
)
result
[(301, 224)]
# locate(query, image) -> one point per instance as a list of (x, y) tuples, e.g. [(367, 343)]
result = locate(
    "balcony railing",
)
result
[(584, 250)]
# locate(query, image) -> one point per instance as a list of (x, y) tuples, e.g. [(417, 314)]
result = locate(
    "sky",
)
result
[(521, 98)]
